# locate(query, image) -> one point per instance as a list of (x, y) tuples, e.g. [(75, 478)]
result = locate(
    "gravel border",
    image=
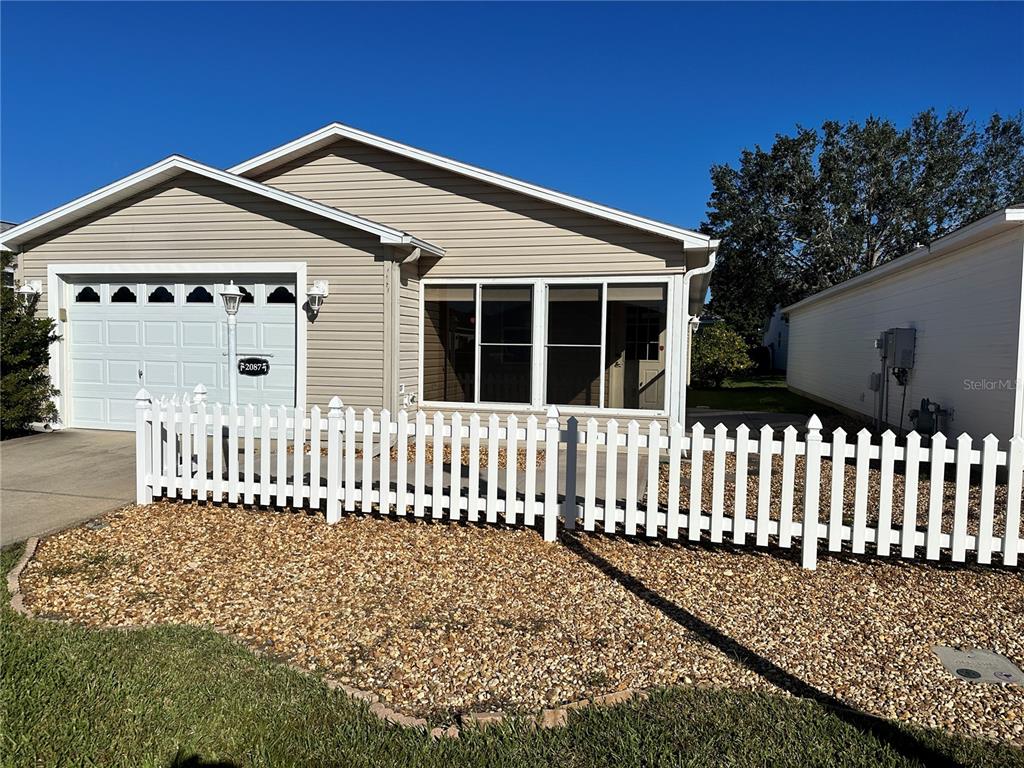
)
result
[(547, 718), (406, 609)]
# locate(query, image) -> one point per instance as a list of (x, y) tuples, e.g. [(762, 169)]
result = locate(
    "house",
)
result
[(956, 314), (449, 286), (776, 339)]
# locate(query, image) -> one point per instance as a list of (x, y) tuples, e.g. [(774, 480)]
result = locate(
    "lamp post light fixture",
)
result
[(315, 296), (232, 296)]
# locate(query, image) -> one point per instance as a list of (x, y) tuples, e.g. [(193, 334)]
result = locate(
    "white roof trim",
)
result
[(175, 165), (330, 133), (981, 229)]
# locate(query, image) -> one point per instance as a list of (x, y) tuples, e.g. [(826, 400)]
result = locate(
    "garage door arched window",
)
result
[(161, 295), (199, 295), (87, 295), (281, 295), (123, 295), (247, 297)]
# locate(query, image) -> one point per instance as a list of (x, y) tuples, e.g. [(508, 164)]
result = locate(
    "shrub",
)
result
[(25, 388), (718, 353)]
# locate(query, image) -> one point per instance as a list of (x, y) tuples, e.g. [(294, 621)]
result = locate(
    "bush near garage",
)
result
[(25, 388), (718, 353)]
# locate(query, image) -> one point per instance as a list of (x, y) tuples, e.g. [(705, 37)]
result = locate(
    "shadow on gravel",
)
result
[(883, 730)]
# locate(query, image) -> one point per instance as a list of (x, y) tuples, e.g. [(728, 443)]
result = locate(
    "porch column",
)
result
[(678, 347)]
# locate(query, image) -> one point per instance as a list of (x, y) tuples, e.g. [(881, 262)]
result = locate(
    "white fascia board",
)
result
[(175, 165), (969, 234), (327, 134)]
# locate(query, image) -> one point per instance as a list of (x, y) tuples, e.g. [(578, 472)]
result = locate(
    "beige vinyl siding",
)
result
[(966, 307), (408, 326), (487, 231), (193, 219)]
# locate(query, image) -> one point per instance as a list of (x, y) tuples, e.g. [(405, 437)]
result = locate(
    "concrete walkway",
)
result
[(52, 480)]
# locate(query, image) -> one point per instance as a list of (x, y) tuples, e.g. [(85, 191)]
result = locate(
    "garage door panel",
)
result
[(161, 333), (88, 372), (204, 373), (175, 345), (87, 332), (195, 334), (90, 409), (281, 376), (278, 336), (121, 412), (123, 372), (161, 373), (122, 333)]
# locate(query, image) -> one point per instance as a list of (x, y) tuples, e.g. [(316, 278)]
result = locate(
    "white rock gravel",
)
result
[(441, 619)]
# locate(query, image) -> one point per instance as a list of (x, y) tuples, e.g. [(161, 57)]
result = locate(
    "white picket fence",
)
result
[(176, 457)]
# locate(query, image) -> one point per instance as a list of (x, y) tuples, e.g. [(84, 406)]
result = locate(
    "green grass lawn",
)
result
[(187, 697), (754, 393)]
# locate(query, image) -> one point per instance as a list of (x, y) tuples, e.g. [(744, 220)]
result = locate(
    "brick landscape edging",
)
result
[(554, 717), (13, 583)]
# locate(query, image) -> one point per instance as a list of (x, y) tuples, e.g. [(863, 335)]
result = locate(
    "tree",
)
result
[(718, 353), (822, 206), (25, 388)]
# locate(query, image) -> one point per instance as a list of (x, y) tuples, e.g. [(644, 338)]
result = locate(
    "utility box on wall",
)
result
[(899, 347)]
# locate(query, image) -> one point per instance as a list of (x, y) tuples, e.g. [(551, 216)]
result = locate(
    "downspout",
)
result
[(683, 366)]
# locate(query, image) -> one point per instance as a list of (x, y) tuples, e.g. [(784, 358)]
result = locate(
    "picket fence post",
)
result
[(1011, 532), (143, 448), (551, 475), (199, 468), (571, 452), (333, 460), (812, 489)]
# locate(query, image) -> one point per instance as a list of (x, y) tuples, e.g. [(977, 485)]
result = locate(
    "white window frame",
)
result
[(538, 389)]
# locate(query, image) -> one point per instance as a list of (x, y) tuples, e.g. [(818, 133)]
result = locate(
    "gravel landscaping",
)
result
[(441, 619)]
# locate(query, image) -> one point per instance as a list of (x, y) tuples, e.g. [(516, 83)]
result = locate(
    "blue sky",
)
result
[(628, 105)]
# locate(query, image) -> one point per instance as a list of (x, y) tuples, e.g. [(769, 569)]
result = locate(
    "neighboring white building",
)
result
[(963, 297), (776, 339)]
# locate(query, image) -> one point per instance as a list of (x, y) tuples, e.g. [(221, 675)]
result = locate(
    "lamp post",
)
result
[(232, 296)]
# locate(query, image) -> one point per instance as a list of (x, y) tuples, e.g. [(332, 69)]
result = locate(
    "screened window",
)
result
[(505, 352), (123, 295), (449, 343), (574, 345), (604, 346), (635, 327)]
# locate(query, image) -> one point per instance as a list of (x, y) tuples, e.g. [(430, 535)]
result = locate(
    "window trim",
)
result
[(538, 361)]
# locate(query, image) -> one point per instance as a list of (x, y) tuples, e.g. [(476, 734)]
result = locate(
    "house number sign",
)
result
[(253, 366)]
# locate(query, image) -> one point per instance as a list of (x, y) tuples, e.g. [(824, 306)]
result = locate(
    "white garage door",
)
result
[(167, 336)]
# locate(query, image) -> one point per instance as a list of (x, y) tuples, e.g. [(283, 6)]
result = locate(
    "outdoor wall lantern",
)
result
[(29, 289), (315, 296)]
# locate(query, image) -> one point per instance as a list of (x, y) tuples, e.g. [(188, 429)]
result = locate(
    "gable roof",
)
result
[(175, 165), (335, 131), (993, 224)]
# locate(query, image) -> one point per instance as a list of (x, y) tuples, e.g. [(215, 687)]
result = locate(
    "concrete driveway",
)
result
[(51, 480)]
